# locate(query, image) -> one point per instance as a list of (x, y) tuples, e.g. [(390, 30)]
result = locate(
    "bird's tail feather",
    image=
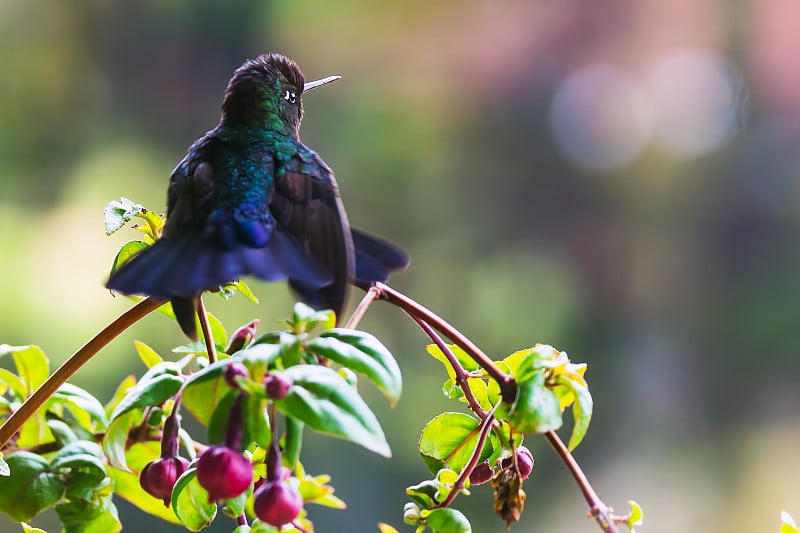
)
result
[(376, 259)]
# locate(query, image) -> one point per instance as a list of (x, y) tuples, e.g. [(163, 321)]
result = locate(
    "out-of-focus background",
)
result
[(618, 179)]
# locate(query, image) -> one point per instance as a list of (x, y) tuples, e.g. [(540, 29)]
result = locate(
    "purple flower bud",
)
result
[(233, 370), (242, 337), (481, 474), (224, 472), (277, 386), (277, 503), (524, 462), (158, 477)]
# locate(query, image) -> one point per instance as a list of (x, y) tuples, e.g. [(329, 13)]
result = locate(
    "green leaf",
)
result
[(190, 502), (149, 356), (306, 318), (128, 250), (255, 422), (204, 390), (89, 517), (84, 406), (449, 439), (116, 438), (32, 365), (292, 441), (448, 520), (117, 214), (463, 358), (30, 488), (14, 382), (148, 392), (581, 409), (636, 518), (81, 465), (363, 353), (536, 409), (218, 421), (119, 394), (325, 402)]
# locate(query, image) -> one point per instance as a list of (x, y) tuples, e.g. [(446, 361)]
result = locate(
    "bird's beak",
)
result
[(313, 84)]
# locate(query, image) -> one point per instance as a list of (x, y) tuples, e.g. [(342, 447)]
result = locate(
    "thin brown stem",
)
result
[(461, 375), (206, 328), (371, 295), (507, 384), (597, 509), (486, 427), (73, 364)]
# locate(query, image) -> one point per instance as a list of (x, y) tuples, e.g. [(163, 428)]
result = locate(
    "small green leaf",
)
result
[(190, 502), (536, 409), (218, 421), (581, 409), (149, 356), (116, 438), (117, 214), (81, 465), (363, 353), (636, 517), (32, 365), (463, 358), (30, 488), (83, 516), (119, 394), (306, 318), (255, 421), (84, 407), (128, 250), (325, 402), (149, 392), (292, 441), (449, 439), (14, 382), (448, 520), (386, 528)]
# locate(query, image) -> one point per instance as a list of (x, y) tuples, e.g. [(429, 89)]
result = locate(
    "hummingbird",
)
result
[(249, 198)]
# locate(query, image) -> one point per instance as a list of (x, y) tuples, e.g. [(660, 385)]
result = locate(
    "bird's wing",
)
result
[(306, 205)]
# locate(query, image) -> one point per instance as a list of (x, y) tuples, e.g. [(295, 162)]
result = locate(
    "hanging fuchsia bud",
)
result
[(242, 337), (481, 474), (277, 503), (159, 476), (277, 386), (524, 462), (233, 370), (224, 472)]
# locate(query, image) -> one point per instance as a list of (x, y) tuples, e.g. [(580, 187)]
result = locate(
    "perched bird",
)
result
[(250, 198)]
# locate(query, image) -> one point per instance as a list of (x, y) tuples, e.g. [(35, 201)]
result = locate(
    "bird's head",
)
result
[(266, 92)]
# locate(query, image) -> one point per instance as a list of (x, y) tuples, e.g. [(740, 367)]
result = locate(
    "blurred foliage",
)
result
[(674, 275)]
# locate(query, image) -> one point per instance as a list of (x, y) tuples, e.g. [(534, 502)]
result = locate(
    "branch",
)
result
[(73, 364), (508, 386), (597, 509), (206, 327)]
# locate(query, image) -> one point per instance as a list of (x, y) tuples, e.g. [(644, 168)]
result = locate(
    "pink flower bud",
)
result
[(158, 477), (524, 462), (233, 370), (277, 503), (277, 386), (224, 472), (481, 474), (242, 337)]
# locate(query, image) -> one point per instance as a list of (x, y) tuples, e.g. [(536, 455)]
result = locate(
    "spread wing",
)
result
[(306, 205)]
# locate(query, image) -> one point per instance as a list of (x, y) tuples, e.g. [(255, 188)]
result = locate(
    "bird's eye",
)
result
[(290, 96)]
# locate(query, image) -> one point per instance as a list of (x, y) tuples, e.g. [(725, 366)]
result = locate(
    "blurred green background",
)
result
[(618, 179)]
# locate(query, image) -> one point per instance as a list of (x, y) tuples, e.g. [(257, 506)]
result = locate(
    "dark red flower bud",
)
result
[(242, 337), (158, 477), (481, 474), (524, 462), (277, 503), (233, 370), (224, 472), (277, 386)]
